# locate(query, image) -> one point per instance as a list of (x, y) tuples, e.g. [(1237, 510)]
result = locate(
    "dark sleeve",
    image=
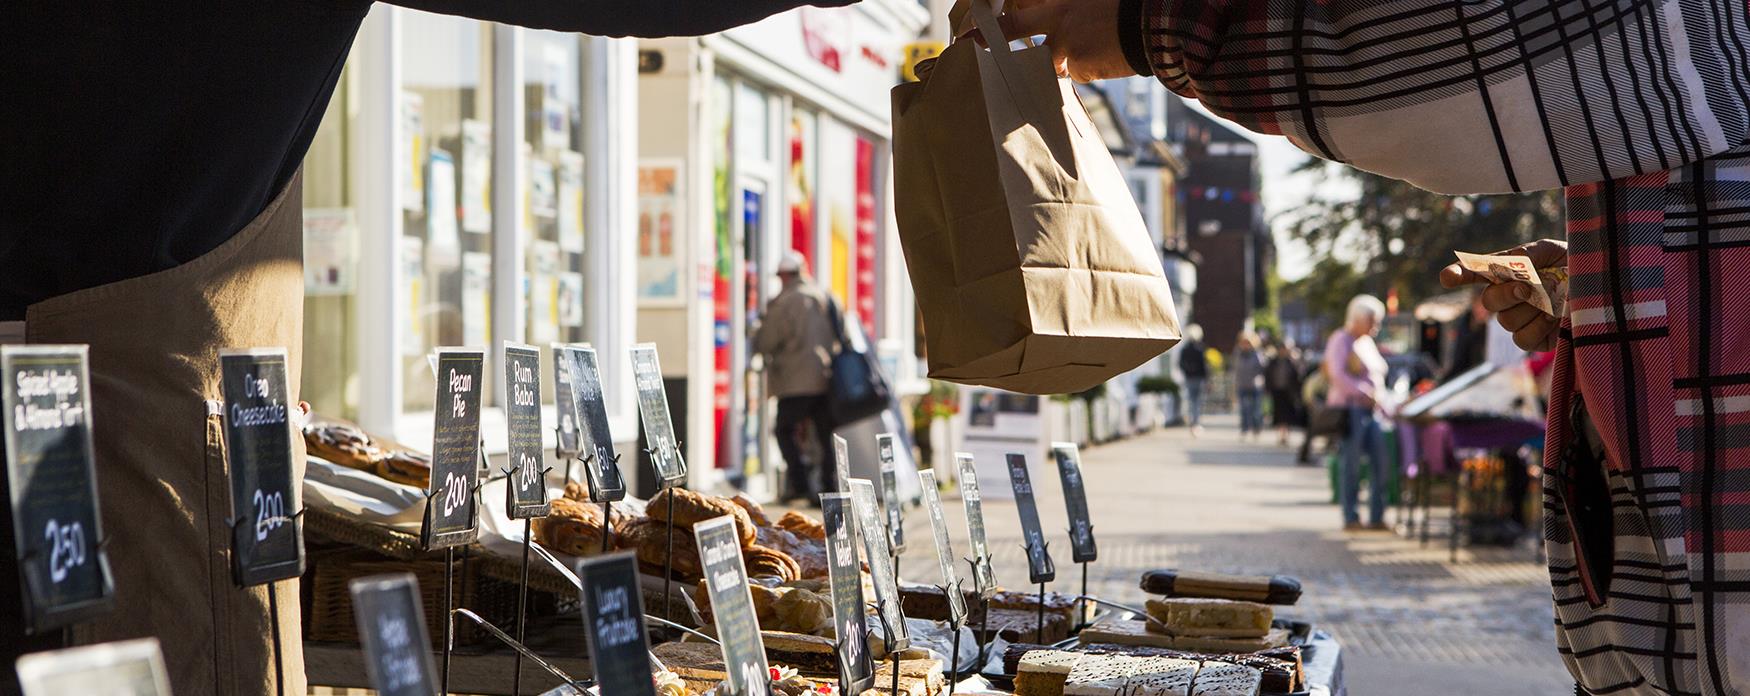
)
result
[(641, 18)]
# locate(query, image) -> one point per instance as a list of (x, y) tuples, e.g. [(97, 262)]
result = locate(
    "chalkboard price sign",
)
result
[(605, 484), (526, 491), (665, 451), (944, 549), (880, 563), (451, 511), (884, 444), (613, 625), (267, 542), (841, 460), (738, 628), (856, 663), (127, 668), (391, 625), (983, 578), (63, 571), (1039, 566), (1075, 499), (564, 399)]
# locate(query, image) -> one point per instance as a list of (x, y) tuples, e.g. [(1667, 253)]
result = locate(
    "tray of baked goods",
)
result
[(1205, 634)]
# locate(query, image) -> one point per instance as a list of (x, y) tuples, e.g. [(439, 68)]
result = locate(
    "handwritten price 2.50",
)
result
[(66, 548)]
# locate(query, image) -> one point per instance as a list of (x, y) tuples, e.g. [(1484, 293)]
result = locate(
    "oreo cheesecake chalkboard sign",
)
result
[(267, 541), (63, 573), (603, 469), (452, 514), (1075, 500), (1039, 566), (665, 451), (613, 625), (391, 626), (526, 491)]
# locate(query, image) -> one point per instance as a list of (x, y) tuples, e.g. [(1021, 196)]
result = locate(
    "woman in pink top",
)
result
[(1356, 372)]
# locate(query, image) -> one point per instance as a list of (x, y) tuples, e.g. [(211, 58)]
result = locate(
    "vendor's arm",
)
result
[(644, 18), (1475, 96)]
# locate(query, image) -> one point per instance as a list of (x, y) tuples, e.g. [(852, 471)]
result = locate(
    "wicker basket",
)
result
[(330, 616)]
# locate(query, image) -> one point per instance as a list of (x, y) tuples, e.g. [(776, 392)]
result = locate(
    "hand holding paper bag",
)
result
[(1033, 269)]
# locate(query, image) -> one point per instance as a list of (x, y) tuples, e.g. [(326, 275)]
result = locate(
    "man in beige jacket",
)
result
[(797, 336)]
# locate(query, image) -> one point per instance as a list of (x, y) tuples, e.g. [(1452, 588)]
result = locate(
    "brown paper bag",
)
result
[(1033, 269)]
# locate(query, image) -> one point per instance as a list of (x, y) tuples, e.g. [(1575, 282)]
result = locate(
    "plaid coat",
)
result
[(1640, 109)]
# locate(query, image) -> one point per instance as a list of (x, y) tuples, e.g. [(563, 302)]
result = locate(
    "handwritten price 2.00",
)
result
[(66, 548), (270, 513), (455, 493)]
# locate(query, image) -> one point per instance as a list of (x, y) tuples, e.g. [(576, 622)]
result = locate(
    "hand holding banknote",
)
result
[(1529, 303)]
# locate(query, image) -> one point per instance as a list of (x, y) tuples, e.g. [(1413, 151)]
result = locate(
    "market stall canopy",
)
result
[(1486, 392), (1445, 308)]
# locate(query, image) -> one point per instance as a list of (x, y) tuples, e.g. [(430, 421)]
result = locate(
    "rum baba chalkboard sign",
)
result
[(526, 492)]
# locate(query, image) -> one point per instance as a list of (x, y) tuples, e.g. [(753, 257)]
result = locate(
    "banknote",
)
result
[(1549, 286)]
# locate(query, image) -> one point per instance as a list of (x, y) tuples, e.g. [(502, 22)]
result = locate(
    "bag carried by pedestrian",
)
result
[(857, 389), (1033, 270)]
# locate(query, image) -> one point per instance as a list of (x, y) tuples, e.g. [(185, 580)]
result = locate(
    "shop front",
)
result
[(468, 185), (785, 147)]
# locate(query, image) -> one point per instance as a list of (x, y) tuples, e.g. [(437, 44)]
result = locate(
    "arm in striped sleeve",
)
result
[(1464, 97)]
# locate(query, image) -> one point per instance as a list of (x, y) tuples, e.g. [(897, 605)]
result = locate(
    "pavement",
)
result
[(1411, 620)]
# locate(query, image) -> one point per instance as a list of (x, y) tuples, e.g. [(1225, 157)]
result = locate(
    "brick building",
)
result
[(1224, 223)]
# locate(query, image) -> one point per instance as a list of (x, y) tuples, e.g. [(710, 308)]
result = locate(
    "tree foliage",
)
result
[(1369, 233)]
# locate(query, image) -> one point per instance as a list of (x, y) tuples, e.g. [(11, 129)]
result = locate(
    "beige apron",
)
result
[(161, 473)]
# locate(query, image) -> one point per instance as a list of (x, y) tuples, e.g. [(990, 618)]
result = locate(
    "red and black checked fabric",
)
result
[(1641, 108)]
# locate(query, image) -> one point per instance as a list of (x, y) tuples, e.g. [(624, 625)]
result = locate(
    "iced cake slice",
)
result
[(1226, 679), (1163, 676), (1197, 616), (1100, 676), (1043, 672)]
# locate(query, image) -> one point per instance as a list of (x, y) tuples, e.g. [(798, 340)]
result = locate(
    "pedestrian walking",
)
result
[(797, 339), (1282, 380), (154, 212), (1356, 372), (1194, 363), (1248, 375)]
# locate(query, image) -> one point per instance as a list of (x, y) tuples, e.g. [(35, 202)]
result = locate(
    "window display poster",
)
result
[(543, 192), (570, 299), (127, 668), (50, 475), (412, 169), (659, 230), (476, 298), (330, 251), (543, 288), (444, 241), (267, 541), (865, 285), (476, 176), (391, 626), (571, 201), (561, 65), (455, 448), (802, 184), (838, 202), (412, 288)]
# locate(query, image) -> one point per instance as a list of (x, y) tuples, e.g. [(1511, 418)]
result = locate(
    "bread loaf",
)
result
[(692, 507)]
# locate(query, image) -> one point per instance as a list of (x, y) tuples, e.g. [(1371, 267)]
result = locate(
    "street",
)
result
[(1410, 621)]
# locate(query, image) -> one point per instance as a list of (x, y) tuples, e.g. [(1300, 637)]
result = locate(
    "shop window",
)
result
[(553, 186), (330, 366), (446, 245)]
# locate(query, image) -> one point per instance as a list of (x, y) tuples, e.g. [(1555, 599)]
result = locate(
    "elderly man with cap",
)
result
[(797, 336)]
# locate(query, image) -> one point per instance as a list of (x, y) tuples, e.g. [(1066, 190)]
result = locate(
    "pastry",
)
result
[(699, 664), (1166, 676), (810, 655), (1278, 589), (409, 468), (1197, 616), (809, 555), (802, 526), (1043, 672), (764, 562), (1017, 625), (917, 677), (756, 513), (692, 507), (343, 444), (801, 611), (646, 537), (569, 528), (1226, 679)]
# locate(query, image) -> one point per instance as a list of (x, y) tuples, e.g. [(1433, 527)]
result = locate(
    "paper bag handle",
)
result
[(984, 20)]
